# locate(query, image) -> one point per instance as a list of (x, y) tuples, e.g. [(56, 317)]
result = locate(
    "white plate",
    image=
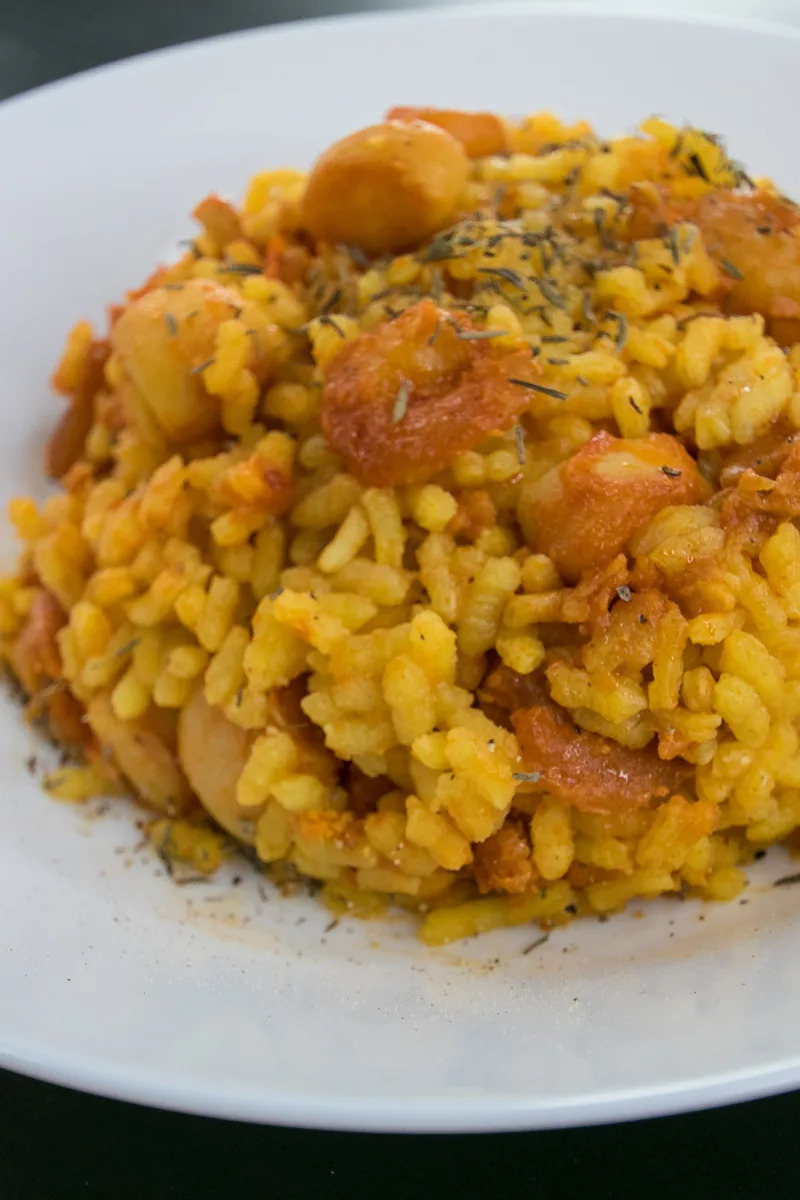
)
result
[(210, 999)]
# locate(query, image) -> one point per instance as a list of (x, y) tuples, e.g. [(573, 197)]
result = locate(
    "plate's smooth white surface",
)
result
[(209, 998)]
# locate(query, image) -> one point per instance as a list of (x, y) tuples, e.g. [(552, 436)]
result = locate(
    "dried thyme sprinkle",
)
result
[(478, 335), (729, 269), (126, 649), (539, 387), (684, 321), (505, 273), (440, 249), (636, 408), (202, 366), (519, 438), (236, 268), (527, 776), (239, 697), (558, 362), (599, 218), (672, 472), (622, 329), (694, 159), (674, 248), (436, 331), (554, 337), (624, 593), (551, 293), (437, 285), (332, 300), (786, 880), (355, 254), (173, 287), (326, 319), (540, 941), (741, 174), (586, 308), (161, 849), (689, 238), (172, 324), (401, 403)]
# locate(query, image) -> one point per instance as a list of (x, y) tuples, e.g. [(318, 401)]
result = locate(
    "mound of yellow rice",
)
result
[(273, 648)]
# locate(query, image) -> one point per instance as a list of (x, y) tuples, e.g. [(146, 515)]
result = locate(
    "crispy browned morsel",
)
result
[(385, 188), (402, 400), (219, 219), (34, 654), (590, 772), (585, 511), (754, 504), (503, 862), (35, 658), (476, 512), (480, 133), (755, 233)]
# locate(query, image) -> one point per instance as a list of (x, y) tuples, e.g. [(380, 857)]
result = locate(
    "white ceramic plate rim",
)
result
[(384, 1113)]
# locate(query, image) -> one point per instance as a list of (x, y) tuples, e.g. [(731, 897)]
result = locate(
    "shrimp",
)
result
[(213, 752), (754, 235), (590, 772), (480, 133), (386, 188), (585, 511), (164, 339), (143, 756), (402, 400)]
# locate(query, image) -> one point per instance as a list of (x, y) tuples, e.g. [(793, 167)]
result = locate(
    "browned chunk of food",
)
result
[(590, 772), (754, 505), (476, 512), (402, 400), (766, 455), (165, 339), (386, 188), (34, 654), (503, 862), (480, 133), (508, 690), (35, 658), (584, 512), (364, 791), (755, 233), (219, 219)]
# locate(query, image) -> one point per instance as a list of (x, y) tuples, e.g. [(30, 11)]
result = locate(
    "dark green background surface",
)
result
[(55, 1143)]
